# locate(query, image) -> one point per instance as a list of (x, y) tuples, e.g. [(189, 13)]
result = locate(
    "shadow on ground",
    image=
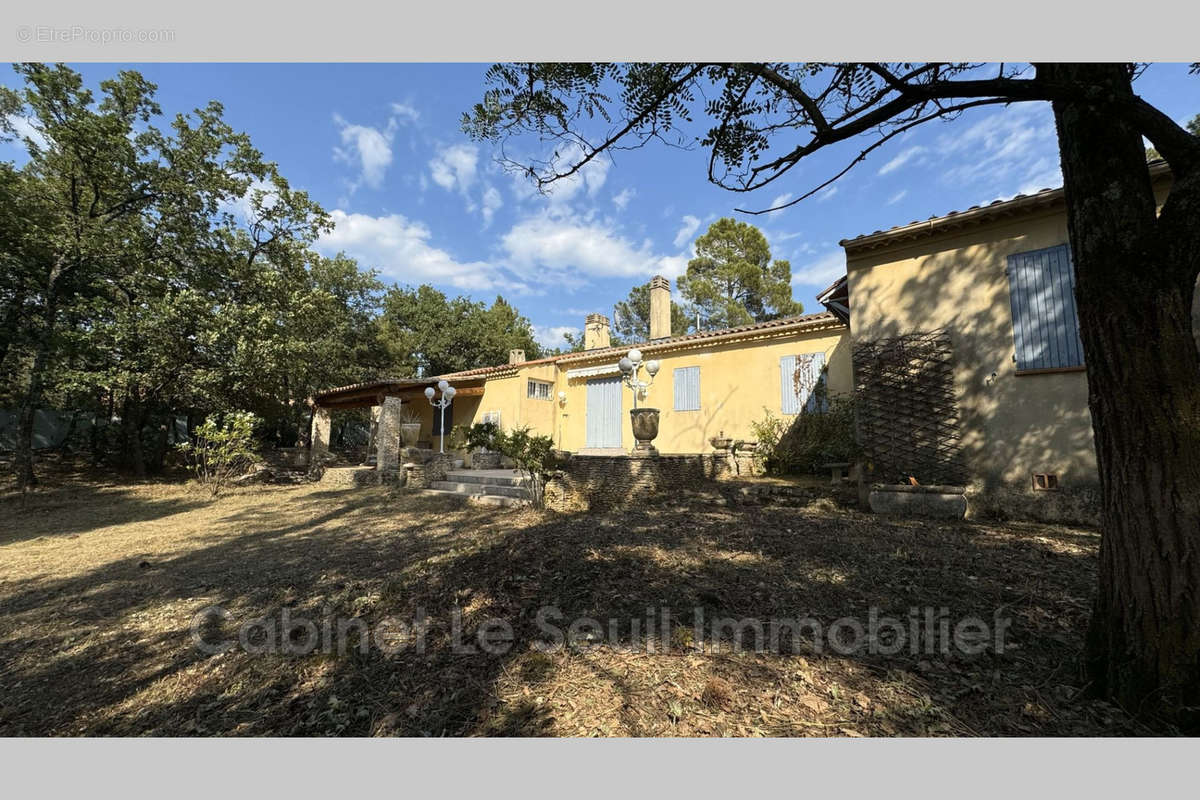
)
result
[(105, 646)]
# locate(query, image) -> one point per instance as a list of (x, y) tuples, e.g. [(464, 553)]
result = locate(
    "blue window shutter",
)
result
[(1045, 322), (815, 401), (687, 389), (790, 403)]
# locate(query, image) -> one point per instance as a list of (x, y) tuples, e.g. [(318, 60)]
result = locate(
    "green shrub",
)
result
[(221, 448), (809, 440), (533, 455), (482, 436)]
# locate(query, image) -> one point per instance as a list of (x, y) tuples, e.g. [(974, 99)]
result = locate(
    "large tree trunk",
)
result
[(133, 418), (31, 398), (1135, 275)]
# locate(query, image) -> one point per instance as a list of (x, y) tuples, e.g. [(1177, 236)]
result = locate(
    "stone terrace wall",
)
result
[(585, 483)]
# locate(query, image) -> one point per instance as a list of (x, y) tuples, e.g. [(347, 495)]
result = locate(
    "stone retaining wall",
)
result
[(584, 483)]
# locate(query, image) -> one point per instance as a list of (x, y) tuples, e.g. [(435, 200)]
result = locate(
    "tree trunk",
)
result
[(132, 419), (26, 413), (1135, 276)]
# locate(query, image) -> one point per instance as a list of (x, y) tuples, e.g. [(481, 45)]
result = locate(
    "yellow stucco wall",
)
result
[(1013, 425), (737, 380), (508, 396)]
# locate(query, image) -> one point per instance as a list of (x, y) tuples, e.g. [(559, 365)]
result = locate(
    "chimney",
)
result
[(660, 307), (595, 332), (516, 356)]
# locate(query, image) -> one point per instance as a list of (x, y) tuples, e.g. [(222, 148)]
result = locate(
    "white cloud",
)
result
[(690, 226), (828, 193), (492, 201), (400, 248), (24, 128), (244, 207), (822, 272), (587, 181), (900, 160), (369, 149), (1007, 152), (622, 198), (405, 113), (552, 335), (454, 167), (897, 197), (778, 201), (569, 247), (672, 266)]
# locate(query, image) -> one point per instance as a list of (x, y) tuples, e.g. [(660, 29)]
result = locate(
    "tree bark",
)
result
[(1135, 276), (133, 418), (27, 412)]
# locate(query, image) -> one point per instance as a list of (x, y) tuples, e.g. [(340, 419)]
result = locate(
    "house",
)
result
[(998, 279), (709, 382)]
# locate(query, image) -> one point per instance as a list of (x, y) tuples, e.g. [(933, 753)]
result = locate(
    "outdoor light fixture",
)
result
[(562, 398), (630, 365), (447, 395)]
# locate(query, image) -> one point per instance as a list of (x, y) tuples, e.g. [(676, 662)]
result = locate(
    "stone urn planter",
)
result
[(902, 499), (409, 433), (645, 428), (721, 442)]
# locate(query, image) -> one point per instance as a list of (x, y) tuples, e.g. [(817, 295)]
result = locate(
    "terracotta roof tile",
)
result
[(976, 214)]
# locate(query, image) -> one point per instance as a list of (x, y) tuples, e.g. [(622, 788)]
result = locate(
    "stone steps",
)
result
[(467, 487), (480, 499), (501, 487), (486, 477)]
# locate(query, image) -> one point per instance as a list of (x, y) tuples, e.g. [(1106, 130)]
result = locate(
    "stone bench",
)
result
[(837, 471)]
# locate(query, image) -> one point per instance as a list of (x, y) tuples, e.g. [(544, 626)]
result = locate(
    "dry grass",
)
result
[(99, 584)]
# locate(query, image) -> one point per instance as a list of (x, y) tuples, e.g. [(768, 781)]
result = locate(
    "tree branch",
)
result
[(941, 112)]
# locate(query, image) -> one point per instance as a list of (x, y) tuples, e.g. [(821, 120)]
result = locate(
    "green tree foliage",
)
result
[(733, 281), (153, 272), (631, 317), (426, 333)]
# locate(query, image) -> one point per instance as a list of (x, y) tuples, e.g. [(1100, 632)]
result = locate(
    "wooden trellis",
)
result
[(907, 413)]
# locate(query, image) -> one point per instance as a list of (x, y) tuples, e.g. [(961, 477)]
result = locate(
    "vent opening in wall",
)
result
[(1045, 481)]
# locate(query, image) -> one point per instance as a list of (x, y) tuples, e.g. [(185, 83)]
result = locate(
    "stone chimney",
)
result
[(595, 332), (660, 307), (516, 356)]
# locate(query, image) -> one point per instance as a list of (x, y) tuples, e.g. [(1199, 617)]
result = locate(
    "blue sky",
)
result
[(379, 146)]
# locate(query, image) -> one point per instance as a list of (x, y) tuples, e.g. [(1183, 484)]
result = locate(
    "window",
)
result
[(440, 415), (687, 389), (539, 390), (1041, 285), (802, 383), (492, 417)]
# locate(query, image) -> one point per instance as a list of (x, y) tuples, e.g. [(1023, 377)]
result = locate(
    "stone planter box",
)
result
[(409, 433), (938, 502)]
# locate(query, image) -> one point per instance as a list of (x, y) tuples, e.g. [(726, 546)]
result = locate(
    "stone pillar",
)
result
[(320, 434), (387, 438)]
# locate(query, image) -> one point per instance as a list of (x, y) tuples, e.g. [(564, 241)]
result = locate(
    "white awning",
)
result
[(590, 372)]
